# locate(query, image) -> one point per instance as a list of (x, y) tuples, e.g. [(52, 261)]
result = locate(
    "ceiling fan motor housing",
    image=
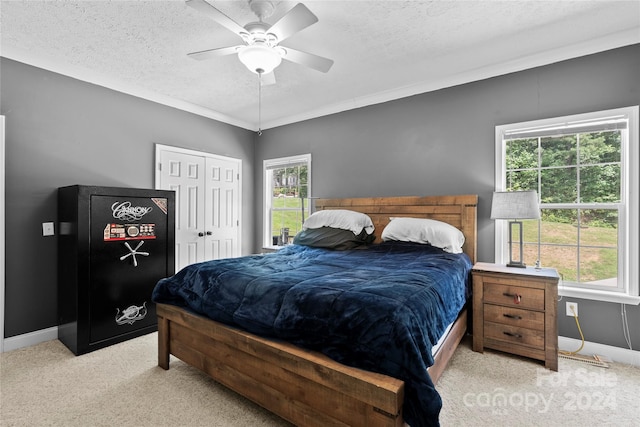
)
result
[(257, 33), (263, 9)]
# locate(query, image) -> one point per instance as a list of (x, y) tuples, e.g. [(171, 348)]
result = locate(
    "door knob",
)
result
[(201, 234), (209, 233)]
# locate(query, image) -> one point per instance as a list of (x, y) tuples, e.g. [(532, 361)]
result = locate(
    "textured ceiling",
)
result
[(382, 50)]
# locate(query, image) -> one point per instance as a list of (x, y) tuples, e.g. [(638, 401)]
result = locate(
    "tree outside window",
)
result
[(584, 168), (287, 182), (578, 178), (290, 203)]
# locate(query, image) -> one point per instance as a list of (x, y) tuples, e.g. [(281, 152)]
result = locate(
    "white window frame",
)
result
[(629, 229), (267, 166)]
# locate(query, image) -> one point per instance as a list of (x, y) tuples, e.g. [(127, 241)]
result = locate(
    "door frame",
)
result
[(162, 147), (2, 236)]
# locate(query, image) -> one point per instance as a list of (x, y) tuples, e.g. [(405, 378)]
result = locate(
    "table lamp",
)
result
[(514, 206)]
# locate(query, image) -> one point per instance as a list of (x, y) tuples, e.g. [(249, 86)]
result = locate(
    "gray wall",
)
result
[(442, 142), (60, 131)]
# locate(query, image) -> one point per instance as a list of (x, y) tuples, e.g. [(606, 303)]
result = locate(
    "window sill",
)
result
[(271, 248), (598, 295)]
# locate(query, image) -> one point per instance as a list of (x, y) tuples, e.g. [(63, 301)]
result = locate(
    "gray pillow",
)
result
[(332, 238)]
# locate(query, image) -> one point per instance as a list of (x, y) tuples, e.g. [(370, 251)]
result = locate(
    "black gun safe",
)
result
[(114, 245)]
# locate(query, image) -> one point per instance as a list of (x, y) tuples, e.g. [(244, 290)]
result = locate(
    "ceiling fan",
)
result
[(261, 52)]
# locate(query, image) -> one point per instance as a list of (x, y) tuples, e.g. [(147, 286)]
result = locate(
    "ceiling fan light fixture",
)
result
[(259, 59)]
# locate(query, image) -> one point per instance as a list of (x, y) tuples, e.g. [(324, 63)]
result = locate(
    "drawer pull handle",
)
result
[(512, 334), (517, 298), (512, 316)]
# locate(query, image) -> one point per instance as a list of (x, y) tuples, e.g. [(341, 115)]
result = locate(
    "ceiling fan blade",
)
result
[(213, 13), (268, 79), (213, 53), (298, 18), (308, 59)]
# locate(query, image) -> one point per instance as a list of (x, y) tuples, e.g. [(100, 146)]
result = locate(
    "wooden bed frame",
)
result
[(304, 387)]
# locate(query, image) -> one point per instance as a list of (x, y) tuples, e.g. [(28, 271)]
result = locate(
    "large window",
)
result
[(287, 188), (585, 171)]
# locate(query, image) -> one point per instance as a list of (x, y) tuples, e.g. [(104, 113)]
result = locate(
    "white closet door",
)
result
[(207, 203)]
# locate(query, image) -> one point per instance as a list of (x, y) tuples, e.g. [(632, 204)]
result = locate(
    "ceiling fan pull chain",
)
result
[(259, 103)]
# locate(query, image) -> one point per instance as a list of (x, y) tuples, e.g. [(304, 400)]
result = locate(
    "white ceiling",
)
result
[(383, 50)]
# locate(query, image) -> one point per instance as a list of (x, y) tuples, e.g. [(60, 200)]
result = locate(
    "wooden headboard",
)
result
[(459, 211)]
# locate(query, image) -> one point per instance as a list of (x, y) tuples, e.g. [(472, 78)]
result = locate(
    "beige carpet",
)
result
[(496, 389), (121, 385)]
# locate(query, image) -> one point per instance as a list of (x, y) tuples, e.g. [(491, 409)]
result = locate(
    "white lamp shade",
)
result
[(515, 205), (259, 59)]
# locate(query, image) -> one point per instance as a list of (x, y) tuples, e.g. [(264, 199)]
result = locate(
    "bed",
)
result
[(293, 376)]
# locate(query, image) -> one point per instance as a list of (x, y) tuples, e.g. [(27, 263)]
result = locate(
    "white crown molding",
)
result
[(612, 41), (93, 77)]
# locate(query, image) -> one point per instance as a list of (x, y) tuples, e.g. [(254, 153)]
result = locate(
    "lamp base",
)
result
[(517, 264), (515, 226)]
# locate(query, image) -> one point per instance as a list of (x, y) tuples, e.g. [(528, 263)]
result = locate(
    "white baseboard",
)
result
[(617, 354), (29, 339)]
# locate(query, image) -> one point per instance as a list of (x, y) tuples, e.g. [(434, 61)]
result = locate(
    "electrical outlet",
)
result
[(572, 307)]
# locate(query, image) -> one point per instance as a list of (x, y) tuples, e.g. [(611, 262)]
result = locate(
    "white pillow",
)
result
[(340, 218), (422, 230)]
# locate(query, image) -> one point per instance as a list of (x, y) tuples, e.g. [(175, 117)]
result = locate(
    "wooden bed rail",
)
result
[(304, 387)]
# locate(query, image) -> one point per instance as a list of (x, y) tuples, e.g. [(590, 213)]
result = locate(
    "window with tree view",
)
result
[(580, 167), (287, 198)]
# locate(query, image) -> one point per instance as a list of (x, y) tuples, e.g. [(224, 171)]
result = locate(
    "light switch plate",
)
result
[(47, 229)]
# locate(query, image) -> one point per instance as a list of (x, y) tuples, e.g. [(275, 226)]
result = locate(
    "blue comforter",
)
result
[(380, 309)]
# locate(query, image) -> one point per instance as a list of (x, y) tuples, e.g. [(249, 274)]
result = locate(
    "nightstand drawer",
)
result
[(514, 334), (514, 296), (514, 316)]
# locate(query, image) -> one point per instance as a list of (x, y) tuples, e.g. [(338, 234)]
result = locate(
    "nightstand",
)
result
[(514, 310)]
